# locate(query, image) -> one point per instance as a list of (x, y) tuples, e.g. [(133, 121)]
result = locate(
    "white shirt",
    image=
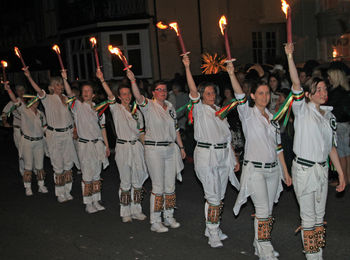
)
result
[(32, 124), (261, 136), (127, 126), (15, 113), (87, 121), (313, 131), (209, 128), (57, 113), (161, 125)]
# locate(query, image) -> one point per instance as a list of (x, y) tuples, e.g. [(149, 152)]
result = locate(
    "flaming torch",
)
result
[(223, 29), (118, 52), (175, 27), (19, 55), (58, 52), (94, 46), (287, 10), (4, 65)]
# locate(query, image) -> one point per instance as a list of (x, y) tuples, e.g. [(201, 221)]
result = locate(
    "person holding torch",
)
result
[(314, 140), (163, 157), (59, 135), (214, 158), (129, 152)]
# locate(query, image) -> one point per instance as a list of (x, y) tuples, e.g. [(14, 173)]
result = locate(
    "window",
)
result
[(264, 47), (257, 47), (135, 47), (81, 58)]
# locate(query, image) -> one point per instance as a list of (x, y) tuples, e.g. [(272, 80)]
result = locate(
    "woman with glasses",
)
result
[(314, 141), (163, 157)]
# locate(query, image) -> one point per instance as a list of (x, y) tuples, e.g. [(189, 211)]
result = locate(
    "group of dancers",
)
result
[(149, 143)]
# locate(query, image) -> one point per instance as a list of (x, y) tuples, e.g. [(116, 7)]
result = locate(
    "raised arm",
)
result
[(191, 84), (32, 82), (105, 86), (135, 89), (289, 49), (11, 94), (234, 82), (66, 84)]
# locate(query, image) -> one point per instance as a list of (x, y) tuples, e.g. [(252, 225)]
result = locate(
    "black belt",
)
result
[(82, 140), (16, 126), (261, 164), (208, 145), (32, 138), (60, 129), (164, 143), (308, 163), (122, 141)]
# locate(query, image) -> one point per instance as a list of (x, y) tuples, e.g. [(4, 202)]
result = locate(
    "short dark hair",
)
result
[(311, 86), (157, 83), (203, 85), (122, 86), (90, 84)]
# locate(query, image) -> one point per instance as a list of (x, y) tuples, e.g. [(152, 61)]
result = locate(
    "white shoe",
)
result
[(139, 216), (69, 197), (61, 198), (126, 219), (43, 189), (98, 206), (275, 253), (214, 239), (171, 222), (222, 236), (159, 228), (29, 191), (90, 208)]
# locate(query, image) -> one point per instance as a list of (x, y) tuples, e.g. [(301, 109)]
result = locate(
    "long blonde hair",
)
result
[(338, 78)]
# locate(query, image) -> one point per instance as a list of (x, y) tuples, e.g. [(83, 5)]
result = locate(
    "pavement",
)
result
[(38, 227)]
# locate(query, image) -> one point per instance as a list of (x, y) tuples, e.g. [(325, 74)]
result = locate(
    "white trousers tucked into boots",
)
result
[(311, 188), (164, 164)]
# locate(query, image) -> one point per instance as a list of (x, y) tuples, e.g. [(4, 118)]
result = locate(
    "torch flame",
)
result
[(334, 53), (114, 50), (93, 41), (161, 25), (56, 48), (222, 24), (4, 63), (18, 53), (285, 7), (174, 27)]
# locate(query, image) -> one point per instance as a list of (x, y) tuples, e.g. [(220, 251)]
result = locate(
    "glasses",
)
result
[(161, 90)]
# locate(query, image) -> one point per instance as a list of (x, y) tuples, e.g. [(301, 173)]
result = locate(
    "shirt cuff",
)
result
[(240, 96), (44, 96), (194, 99), (297, 91)]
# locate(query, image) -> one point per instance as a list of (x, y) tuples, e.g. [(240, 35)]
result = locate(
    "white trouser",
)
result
[(62, 155), (62, 151), (161, 163), (92, 156), (17, 139), (263, 186), (32, 153), (311, 189), (132, 172), (129, 181)]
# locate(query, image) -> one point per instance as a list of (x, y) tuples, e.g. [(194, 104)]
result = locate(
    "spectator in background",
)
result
[(274, 83), (339, 99)]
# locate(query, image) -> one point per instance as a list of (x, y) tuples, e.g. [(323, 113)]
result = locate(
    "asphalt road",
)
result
[(38, 227)]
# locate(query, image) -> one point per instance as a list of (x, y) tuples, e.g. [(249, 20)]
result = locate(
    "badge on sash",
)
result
[(333, 123)]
